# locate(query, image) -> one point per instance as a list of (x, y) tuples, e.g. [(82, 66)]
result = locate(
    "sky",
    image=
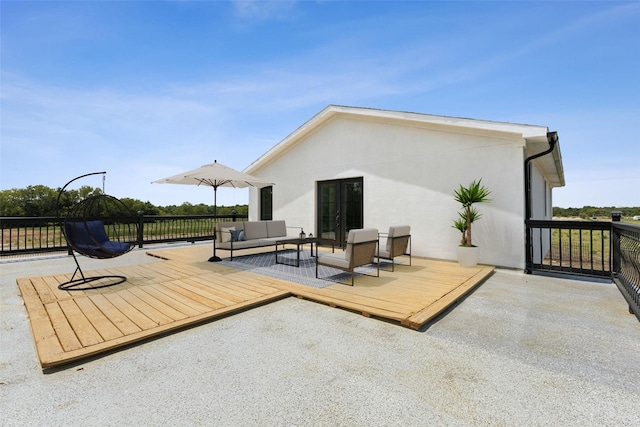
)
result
[(148, 89)]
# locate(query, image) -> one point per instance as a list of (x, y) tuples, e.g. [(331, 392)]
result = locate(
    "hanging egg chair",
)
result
[(99, 227)]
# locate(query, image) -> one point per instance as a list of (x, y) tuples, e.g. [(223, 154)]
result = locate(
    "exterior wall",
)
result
[(542, 209), (540, 195), (409, 174)]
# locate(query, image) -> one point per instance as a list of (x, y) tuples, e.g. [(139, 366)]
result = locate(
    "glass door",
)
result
[(339, 208)]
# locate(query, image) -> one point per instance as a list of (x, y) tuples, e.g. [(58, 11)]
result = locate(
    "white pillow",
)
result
[(226, 234)]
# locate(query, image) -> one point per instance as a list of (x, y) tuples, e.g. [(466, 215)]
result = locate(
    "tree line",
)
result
[(587, 212), (41, 201)]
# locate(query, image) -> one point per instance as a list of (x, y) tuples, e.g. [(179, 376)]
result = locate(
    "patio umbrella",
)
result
[(215, 175)]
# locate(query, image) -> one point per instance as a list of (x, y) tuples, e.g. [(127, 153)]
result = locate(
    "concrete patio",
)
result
[(521, 349)]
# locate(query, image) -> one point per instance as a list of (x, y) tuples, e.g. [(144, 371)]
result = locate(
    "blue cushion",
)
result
[(237, 235), (116, 247), (90, 238), (89, 234)]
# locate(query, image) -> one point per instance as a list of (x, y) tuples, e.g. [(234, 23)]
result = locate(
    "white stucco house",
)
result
[(351, 167)]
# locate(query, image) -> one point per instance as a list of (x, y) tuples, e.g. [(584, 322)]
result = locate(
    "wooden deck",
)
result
[(184, 290)]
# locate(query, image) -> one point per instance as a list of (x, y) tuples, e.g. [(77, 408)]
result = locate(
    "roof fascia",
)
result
[(525, 131), (283, 146)]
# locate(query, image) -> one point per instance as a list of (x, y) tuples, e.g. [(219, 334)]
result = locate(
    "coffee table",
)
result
[(300, 244)]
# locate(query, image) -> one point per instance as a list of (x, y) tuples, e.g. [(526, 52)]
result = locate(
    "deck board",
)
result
[(101, 323), (184, 289), (62, 327)]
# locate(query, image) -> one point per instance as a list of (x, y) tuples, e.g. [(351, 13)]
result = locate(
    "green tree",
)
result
[(39, 200), (139, 206), (11, 203)]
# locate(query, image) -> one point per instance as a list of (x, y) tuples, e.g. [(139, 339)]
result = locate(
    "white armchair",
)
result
[(361, 250)]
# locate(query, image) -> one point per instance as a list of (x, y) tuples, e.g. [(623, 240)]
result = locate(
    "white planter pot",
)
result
[(468, 256)]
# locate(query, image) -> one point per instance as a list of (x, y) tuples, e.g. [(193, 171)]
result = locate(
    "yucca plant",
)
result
[(461, 224), (467, 197)]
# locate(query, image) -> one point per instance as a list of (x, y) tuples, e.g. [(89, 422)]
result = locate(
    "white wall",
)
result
[(410, 174), (540, 195), (541, 208)]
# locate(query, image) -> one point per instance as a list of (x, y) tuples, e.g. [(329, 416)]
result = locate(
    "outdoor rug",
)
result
[(265, 264)]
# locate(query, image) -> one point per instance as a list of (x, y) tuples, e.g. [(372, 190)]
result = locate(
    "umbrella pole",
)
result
[(215, 258)]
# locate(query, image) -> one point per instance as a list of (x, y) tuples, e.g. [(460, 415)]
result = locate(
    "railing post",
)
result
[(615, 252), (140, 229), (615, 244), (616, 216)]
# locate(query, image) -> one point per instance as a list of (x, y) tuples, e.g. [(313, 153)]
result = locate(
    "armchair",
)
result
[(398, 244), (360, 251)]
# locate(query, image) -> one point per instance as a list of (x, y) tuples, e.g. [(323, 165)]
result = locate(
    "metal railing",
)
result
[(27, 236), (575, 247), (626, 263), (23, 235), (600, 249)]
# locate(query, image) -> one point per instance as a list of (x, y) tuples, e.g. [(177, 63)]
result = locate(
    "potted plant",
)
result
[(467, 197)]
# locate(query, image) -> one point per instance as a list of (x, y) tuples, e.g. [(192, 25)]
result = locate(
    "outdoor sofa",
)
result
[(238, 235)]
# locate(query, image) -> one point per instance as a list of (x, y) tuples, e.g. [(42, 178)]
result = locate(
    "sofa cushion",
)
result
[(255, 230), (273, 240), (244, 244), (276, 229)]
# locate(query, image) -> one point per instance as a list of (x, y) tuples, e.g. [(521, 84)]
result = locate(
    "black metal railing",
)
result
[(626, 263), (26, 236), (574, 247), (22, 235)]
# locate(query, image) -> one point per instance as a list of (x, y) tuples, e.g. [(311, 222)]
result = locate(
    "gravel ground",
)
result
[(521, 350)]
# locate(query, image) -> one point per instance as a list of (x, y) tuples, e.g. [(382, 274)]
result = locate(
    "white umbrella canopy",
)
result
[(215, 175)]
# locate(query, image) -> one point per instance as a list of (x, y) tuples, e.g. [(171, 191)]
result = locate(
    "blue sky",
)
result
[(148, 89)]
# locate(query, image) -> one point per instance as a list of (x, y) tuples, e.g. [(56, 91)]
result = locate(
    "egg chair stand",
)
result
[(85, 230)]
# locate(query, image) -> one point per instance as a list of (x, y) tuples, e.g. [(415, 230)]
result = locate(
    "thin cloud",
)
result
[(263, 10)]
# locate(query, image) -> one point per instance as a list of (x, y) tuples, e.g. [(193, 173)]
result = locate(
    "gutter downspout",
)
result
[(552, 138)]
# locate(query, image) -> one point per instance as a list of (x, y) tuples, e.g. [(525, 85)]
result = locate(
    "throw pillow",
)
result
[(226, 234), (235, 235)]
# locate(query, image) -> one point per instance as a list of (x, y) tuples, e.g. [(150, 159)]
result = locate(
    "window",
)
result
[(266, 203)]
